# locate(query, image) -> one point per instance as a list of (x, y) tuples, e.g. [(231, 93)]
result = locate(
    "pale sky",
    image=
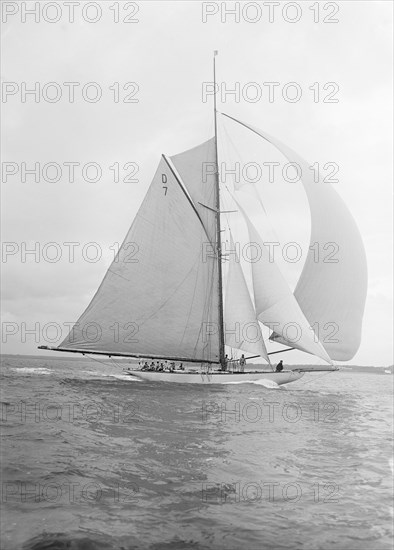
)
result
[(168, 53)]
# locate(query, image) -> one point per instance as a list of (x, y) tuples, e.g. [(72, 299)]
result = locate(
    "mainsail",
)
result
[(331, 291), (196, 168), (159, 296)]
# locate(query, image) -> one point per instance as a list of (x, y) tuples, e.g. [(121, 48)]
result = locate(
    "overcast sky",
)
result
[(168, 53)]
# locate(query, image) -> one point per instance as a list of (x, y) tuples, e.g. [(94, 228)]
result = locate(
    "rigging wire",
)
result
[(316, 378)]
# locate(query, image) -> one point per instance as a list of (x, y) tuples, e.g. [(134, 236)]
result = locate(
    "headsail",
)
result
[(159, 296), (331, 290), (276, 306), (241, 327)]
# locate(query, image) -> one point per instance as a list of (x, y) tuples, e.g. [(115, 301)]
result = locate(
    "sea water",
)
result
[(93, 459)]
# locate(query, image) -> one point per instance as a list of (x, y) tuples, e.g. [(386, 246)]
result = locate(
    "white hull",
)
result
[(279, 378)]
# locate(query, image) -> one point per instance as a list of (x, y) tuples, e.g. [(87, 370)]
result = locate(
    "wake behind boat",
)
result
[(163, 296)]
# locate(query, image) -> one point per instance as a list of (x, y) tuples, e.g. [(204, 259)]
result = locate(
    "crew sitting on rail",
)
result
[(169, 368)]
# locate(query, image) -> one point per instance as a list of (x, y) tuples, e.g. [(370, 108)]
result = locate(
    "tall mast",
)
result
[(218, 230)]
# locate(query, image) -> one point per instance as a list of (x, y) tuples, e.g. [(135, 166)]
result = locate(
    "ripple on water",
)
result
[(157, 465)]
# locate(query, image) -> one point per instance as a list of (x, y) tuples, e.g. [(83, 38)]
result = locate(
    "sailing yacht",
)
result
[(169, 301)]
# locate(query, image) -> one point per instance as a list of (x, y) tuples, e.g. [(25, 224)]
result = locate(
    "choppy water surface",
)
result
[(93, 459)]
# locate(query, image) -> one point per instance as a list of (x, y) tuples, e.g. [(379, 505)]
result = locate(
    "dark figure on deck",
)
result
[(279, 366), (225, 365), (242, 363)]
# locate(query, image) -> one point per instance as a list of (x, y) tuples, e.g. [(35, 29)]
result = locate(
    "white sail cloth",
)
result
[(197, 168), (332, 288), (159, 296), (276, 306), (241, 327)]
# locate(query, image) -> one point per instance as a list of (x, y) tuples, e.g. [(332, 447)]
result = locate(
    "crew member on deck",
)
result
[(225, 366), (279, 366), (242, 363)]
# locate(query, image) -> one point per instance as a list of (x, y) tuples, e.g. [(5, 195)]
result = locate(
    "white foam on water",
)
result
[(33, 370), (98, 374), (270, 384), (95, 373), (126, 377), (267, 384)]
